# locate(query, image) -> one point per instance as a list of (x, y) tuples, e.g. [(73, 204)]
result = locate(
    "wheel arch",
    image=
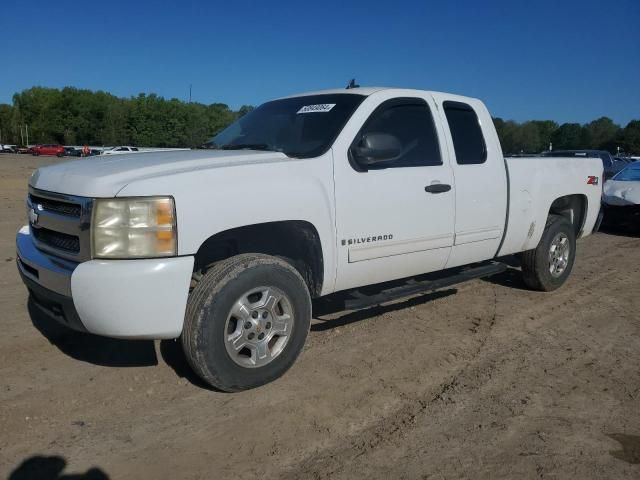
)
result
[(296, 241), (574, 208)]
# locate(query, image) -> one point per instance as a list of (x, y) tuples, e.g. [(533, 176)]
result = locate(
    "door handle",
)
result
[(437, 188)]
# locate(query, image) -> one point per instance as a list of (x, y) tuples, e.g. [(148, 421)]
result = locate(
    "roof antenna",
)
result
[(352, 84)]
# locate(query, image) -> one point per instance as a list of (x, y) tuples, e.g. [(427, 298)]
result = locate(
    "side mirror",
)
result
[(376, 148)]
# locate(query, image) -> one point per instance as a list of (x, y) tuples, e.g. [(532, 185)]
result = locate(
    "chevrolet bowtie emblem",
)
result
[(33, 217)]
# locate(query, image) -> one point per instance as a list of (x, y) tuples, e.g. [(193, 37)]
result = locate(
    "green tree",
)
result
[(545, 133), (74, 116), (568, 136), (629, 138), (6, 123), (602, 133)]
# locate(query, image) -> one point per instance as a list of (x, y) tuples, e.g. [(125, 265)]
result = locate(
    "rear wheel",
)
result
[(246, 322), (549, 265)]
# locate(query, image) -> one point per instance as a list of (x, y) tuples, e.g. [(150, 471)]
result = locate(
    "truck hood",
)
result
[(105, 176)]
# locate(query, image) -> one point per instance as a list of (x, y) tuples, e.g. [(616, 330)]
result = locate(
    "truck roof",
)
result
[(366, 91)]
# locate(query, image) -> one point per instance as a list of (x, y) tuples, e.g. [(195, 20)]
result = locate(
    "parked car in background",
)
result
[(72, 152), (621, 198), (48, 149), (611, 165), (4, 148), (120, 150)]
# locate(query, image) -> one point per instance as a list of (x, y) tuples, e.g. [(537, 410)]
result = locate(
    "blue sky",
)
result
[(564, 60)]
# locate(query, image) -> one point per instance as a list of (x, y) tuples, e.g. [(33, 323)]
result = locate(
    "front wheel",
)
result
[(246, 322), (548, 266)]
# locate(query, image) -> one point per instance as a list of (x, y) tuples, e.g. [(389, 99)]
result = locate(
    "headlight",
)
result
[(134, 228)]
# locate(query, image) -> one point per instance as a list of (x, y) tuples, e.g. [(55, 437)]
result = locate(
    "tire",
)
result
[(213, 316), (537, 264)]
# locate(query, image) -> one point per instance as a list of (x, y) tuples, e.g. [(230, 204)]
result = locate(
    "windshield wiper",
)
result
[(247, 146)]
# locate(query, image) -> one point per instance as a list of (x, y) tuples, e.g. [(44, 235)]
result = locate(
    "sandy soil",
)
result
[(487, 380)]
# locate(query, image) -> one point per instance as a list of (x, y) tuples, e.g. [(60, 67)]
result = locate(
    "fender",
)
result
[(219, 199)]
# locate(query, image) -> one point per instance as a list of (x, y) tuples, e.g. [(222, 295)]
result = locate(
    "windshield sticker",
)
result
[(322, 107)]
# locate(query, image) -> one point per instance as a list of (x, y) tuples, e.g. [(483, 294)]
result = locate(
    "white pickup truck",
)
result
[(304, 196)]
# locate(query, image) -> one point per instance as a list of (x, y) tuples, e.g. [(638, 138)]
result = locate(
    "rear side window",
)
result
[(410, 121), (466, 133)]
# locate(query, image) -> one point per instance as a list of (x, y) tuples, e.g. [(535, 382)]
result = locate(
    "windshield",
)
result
[(629, 174), (299, 127)]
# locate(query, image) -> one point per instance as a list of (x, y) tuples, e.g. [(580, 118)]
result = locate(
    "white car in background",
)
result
[(120, 150), (621, 197)]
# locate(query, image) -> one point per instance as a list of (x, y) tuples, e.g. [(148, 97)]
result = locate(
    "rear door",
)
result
[(480, 176), (391, 221)]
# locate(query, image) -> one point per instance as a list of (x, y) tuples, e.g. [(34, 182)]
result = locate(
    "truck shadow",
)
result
[(512, 278), (619, 231), (332, 304), (328, 313), (93, 349), (173, 355), (630, 447)]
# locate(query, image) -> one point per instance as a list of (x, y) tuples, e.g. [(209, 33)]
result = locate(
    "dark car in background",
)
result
[(611, 165), (72, 152), (48, 149)]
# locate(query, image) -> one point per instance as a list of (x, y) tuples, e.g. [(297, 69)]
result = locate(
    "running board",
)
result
[(360, 300)]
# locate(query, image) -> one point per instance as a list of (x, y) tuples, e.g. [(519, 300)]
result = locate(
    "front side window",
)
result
[(409, 120), (468, 141), (300, 127)]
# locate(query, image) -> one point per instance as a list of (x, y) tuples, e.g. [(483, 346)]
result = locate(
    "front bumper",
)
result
[(115, 298)]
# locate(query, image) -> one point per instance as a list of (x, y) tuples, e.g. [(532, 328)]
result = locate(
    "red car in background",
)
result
[(48, 149)]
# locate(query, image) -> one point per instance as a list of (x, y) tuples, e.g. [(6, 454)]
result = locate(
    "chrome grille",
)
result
[(60, 224), (56, 206)]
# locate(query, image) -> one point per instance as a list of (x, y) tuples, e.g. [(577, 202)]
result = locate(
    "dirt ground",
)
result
[(484, 381)]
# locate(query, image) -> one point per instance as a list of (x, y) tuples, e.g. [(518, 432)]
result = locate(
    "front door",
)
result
[(394, 219)]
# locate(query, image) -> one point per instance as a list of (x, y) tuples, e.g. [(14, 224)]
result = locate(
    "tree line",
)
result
[(539, 135), (72, 116)]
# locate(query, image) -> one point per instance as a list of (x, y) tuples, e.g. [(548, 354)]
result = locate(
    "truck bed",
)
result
[(546, 179)]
